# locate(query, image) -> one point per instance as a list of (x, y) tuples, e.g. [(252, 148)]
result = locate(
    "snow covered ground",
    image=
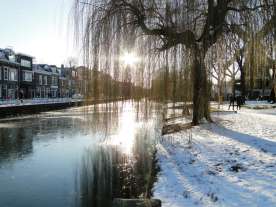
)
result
[(259, 105), (231, 162)]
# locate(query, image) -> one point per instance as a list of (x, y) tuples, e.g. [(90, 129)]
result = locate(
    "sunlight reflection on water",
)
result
[(125, 137), (88, 155)]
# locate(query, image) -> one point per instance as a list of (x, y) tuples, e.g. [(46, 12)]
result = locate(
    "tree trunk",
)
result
[(200, 89), (166, 78), (273, 78), (242, 70), (251, 68), (220, 89), (243, 87), (219, 94), (233, 85)]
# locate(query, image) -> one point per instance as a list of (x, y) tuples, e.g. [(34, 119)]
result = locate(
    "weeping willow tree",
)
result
[(253, 45), (219, 60), (161, 33)]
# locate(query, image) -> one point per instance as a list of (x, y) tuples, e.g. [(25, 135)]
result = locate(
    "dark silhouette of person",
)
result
[(243, 100), (272, 95), (21, 96), (239, 102), (231, 102)]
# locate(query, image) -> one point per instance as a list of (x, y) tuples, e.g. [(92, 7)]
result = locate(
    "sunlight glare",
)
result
[(125, 137), (129, 58)]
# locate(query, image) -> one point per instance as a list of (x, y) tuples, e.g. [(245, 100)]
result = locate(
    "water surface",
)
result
[(82, 156)]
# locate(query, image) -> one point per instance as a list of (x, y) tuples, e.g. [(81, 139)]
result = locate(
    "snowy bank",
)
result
[(231, 162), (259, 105)]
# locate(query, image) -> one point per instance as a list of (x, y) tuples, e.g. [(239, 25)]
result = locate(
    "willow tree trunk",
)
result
[(220, 92), (200, 88), (233, 85), (273, 77), (242, 71), (251, 68), (166, 78), (243, 87)]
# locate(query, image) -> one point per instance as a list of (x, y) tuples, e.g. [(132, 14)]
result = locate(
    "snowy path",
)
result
[(230, 163)]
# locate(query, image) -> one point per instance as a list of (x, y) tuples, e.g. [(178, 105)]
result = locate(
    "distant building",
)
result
[(63, 87), (42, 81), (9, 70), (72, 76), (25, 75), (54, 81), (21, 79), (63, 83), (82, 80)]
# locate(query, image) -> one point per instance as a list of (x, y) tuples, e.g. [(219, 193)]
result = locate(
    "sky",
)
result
[(40, 28)]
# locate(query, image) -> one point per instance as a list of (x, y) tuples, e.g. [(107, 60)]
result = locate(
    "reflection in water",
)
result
[(122, 165), (84, 156), (107, 172), (125, 136), (14, 144)]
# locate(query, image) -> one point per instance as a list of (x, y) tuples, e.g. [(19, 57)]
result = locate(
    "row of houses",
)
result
[(21, 78)]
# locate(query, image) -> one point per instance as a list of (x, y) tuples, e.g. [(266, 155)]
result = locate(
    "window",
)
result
[(48, 92), (38, 92), (27, 76), (11, 93), (54, 81), (74, 74), (54, 70), (12, 58), (12, 74), (0, 73), (53, 93), (26, 63), (6, 74), (4, 91), (40, 79), (45, 80), (42, 92)]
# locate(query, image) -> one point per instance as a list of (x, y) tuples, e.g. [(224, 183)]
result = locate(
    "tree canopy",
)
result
[(167, 35)]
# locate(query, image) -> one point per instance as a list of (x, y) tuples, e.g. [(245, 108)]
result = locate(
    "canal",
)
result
[(83, 156)]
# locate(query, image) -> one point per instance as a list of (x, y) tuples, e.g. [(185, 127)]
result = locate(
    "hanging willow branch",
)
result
[(154, 29)]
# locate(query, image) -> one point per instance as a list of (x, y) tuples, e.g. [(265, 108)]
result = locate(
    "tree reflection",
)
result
[(108, 172), (15, 143)]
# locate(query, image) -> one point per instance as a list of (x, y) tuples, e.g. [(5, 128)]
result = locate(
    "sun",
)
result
[(129, 58)]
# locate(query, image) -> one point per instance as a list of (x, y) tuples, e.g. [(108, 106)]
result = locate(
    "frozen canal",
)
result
[(78, 157)]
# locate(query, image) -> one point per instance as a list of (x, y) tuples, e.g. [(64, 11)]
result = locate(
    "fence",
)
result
[(34, 101)]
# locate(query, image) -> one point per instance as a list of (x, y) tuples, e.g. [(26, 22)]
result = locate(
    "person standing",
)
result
[(21, 96), (239, 102), (232, 102), (272, 96)]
